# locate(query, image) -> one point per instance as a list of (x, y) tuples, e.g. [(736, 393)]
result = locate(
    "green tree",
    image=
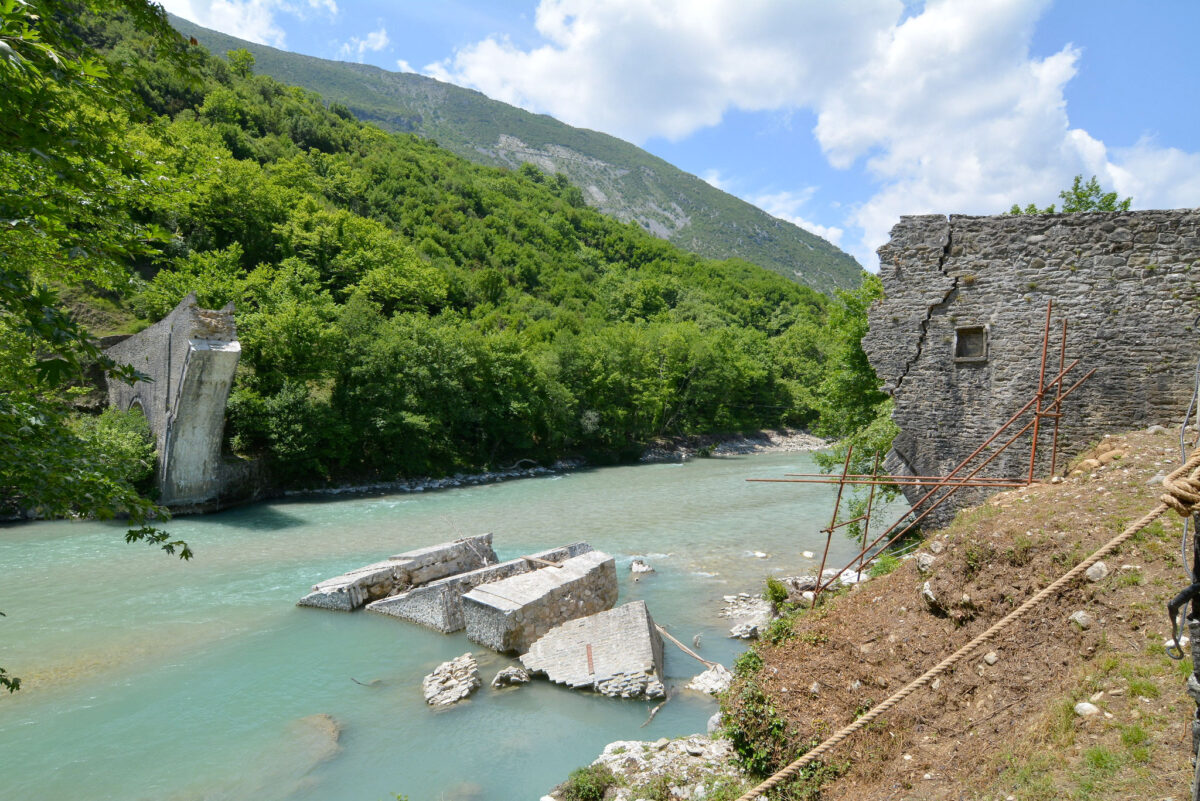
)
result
[(63, 176), (1080, 197), (241, 61)]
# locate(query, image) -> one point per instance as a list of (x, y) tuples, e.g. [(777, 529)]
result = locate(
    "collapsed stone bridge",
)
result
[(190, 357)]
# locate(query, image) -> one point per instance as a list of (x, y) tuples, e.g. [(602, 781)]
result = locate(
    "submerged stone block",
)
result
[(510, 614), (439, 604), (351, 590), (617, 653)]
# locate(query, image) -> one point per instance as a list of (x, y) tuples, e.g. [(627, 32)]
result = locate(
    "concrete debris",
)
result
[(930, 598), (439, 604), (638, 566), (712, 681), (714, 723), (991, 657), (1082, 619), (1086, 709), (511, 614), (451, 681), (1097, 572), (618, 653), (351, 590), (925, 562), (510, 677), (936, 547)]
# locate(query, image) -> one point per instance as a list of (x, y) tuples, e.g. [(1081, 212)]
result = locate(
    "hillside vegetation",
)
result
[(614, 176), (401, 311)]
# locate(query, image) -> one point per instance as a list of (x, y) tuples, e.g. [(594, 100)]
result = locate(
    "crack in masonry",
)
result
[(929, 311)]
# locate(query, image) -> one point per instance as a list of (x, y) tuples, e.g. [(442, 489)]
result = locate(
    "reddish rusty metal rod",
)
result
[(951, 488), (870, 501), (861, 482), (847, 522), (882, 476), (1062, 357), (829, 535), (1037, 412)]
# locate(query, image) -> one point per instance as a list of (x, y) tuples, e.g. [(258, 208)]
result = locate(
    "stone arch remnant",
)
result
[(190, 357)]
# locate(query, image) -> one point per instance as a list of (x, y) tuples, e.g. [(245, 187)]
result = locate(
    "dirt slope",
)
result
[(1008, 729)]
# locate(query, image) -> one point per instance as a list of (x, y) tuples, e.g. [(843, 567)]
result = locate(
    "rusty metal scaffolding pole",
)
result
[(952, 488), (832, 523), (1062, 357), (1002, 483), (1037, 411), (867, 524)]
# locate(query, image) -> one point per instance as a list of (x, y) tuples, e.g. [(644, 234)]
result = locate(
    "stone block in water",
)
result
[(618, 652), (439, 605), (351, 590), (510, 614)]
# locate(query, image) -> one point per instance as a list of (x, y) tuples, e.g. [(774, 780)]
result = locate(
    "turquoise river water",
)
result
[(150, 678)]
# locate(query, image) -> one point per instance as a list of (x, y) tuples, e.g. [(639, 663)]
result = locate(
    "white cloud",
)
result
[(253, 20), (942, 106), (404, 66), (373, 42)]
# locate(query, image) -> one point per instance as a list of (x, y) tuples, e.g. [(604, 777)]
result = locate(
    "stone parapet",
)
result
[(351, 590), (510, 614), (439, 605), (617, 653)]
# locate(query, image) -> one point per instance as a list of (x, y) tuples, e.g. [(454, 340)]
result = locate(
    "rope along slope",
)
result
[(1183, 494)]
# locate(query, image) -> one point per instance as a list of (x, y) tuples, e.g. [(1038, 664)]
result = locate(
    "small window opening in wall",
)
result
[(970, 344)]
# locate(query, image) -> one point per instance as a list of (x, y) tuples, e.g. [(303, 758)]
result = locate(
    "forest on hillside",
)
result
[(402, 312)]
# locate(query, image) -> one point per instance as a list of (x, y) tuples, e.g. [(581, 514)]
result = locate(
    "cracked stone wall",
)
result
[(1126, 282)]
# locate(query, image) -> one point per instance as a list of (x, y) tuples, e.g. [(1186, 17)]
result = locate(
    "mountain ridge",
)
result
[(615, 177)]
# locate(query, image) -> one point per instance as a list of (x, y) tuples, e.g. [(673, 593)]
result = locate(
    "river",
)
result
[(149, 678)]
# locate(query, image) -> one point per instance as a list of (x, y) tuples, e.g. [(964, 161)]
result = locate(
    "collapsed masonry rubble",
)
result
[(439, 605), (355, 588), (555, 607), (510, 614), (617, 653)]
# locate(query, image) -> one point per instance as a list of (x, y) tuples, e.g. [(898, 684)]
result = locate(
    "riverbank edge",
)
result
[(665, 449)]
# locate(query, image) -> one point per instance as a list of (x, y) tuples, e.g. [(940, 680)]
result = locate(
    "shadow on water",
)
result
[(256, 518)]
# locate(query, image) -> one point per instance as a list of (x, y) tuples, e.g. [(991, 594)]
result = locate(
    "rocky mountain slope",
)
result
[(615, 177)]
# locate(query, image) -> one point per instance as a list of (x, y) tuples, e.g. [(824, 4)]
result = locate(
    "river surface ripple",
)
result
[(149, 678)]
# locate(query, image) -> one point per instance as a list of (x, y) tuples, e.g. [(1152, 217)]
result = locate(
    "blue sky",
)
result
[(839, 116)]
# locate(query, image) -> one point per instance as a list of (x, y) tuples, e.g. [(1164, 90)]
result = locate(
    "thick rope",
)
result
[(1183, 493)]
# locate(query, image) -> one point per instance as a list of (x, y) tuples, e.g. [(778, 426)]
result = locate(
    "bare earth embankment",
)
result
[(1004, 724)]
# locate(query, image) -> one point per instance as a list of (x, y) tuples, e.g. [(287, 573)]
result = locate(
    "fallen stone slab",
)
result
[(351, 590), (451, 681), (439, 604), (617, 653), (510, 614)]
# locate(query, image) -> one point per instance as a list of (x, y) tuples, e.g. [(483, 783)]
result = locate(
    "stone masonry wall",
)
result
[(1128, 284), (189, 358)]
